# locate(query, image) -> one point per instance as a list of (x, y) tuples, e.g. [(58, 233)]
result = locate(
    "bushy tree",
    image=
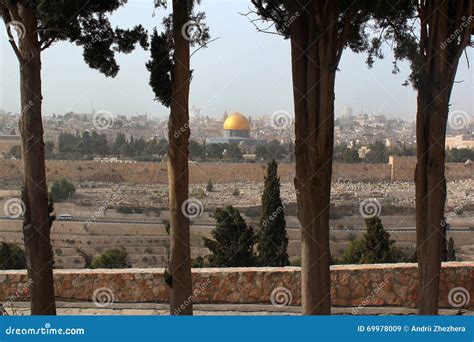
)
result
[(12, 257), (39, 25), (374, 247), (378, 153), (460, 155), (343, 154), (443, 31), (233, 241), (112, 258), (62, 190), (272, 239)]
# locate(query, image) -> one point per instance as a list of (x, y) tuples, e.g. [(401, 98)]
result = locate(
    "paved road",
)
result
[(210, 226)]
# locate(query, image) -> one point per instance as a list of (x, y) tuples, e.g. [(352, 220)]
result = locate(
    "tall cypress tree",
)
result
[(170, 79), (272, 239)]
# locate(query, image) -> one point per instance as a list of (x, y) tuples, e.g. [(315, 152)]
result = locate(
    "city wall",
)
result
[(398, 169), (352, 285)]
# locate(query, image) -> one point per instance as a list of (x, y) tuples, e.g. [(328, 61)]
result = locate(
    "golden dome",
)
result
[(236, 122)]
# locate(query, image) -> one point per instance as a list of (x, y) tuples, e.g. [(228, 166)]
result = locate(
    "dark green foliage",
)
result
[(88, 145), (391, 16), (272, 150), (233, 241), (161, 63), (460, 155), (62, 190), (272, 239), (82, 145), (374, 247), (209, 186), (12, 257), (14, 152), (86, 24), (112, 258), (451, 250), (233, 152), (378, 153), (196, 150), (343, 154)]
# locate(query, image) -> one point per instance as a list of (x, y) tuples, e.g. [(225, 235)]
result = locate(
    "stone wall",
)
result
[(352, 285), (403, 169)]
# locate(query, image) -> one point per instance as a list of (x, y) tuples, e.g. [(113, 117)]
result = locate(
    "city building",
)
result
[(236, 130), (460, 141)]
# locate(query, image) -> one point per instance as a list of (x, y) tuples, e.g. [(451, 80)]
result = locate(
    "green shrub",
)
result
[(62, 190), (12, 257), (112, 258)]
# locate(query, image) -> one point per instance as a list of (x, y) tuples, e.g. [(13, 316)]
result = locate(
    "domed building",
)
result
[(236, 126), (236, 130)]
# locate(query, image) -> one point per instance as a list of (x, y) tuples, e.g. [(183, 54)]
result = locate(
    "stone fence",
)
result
[(352, 285)]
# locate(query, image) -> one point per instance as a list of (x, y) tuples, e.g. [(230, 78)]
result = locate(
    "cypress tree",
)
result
[(233, 241), (374, 247), (272, 239)]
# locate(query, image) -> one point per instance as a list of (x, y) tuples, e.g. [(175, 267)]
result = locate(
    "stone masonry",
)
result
[(352, 285)]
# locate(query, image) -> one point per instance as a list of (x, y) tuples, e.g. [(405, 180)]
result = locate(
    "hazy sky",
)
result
[(243, 70)]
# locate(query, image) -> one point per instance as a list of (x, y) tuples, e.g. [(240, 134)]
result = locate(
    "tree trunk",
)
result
[(435, 83), (178, 174), (37, 221), (314, 64)]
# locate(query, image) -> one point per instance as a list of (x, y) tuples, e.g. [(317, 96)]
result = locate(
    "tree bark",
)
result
[(37, 221), (178, 173), (435, 82), (314, 62)]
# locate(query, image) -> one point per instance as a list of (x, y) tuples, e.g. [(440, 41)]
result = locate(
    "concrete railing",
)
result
[(352, 285)]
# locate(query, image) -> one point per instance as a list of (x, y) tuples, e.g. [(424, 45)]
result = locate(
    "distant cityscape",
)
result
[(355, 134)]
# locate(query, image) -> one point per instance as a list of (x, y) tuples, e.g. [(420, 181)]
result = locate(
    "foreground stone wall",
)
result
[(352, 285)]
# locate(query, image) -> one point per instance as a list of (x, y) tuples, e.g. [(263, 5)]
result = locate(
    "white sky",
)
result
[(243, 70)]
